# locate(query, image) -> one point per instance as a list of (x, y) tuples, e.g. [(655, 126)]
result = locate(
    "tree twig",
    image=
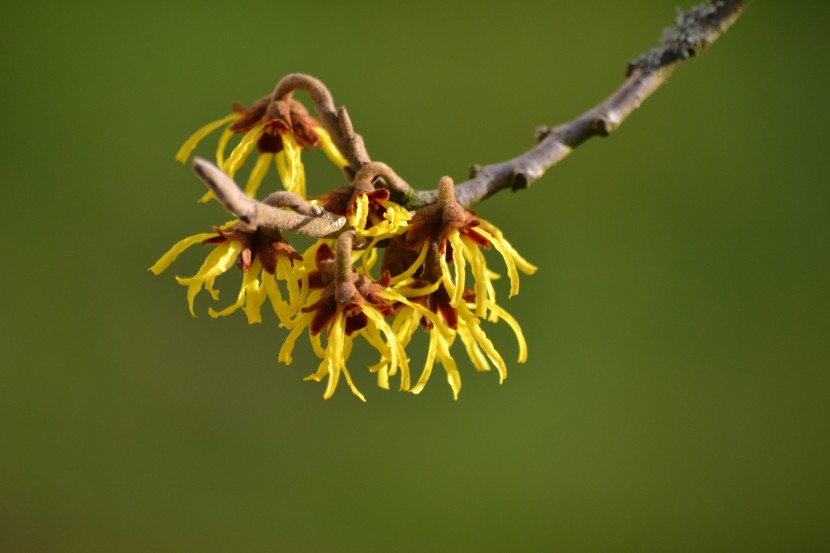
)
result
[(693, 32), (262, 215), (336, 121)]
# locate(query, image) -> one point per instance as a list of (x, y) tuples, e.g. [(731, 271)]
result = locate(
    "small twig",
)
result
[(345, 289), (295, 202), (387, 178), (693, 32), (337, 122), (261, 215)]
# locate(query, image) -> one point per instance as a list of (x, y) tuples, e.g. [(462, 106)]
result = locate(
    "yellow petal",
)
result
[(277, 303), (288, 346), (407, 292), (255, 294), (430, 361), (174, 252), (521, 262), (446, 276), (460, 267), (517, 330), (414, 267), (398, 356), (479, 267), (369, 257), (290, 165), (257, 174), (405, 325), (512, 273), (353, 388), (287, 271), (361, 211), (328, 147), (189, 144), (473, 350), (316, 345), (242, 151), (481, 338), (453, 376), (437, 321), (334, 353), (219, 261), (224, 138), (250, 298)]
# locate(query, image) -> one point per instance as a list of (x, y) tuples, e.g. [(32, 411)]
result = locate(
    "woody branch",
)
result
[(693, 32)]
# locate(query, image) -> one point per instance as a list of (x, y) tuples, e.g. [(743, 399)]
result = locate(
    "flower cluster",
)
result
[(388, 273)]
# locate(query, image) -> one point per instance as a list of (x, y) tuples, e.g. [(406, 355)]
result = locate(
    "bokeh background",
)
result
[(676, 393)]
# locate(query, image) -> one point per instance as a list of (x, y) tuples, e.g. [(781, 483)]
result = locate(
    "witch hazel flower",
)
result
[(388, 261)]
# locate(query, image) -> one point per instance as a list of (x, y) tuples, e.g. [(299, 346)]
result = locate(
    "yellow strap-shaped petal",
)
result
[(290, 165), (289, 273), (250, 298), (328, 147), (258, 173), (407, 292), (219, 261), (436, 320), (430, 361), (481, 338), (189, 144), (398, 357), (482, 285), (517, 330), (316, 345), (352, 387), (460, 267), (222, 145), (523, 265), (473, 349), (512, 273), (405, 325), (288, 346), (334, 354), (242, 151), (280, 307), (361, 211), (414, 267), (453, 376), (170, 256)]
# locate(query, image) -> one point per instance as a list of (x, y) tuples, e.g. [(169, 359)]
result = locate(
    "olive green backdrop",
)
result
[(676, 393)]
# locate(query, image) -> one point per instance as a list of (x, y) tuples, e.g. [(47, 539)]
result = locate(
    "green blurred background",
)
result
[(676, 393)]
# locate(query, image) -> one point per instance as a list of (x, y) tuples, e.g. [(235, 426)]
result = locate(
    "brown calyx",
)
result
[(435, 222), (343, 199), (350, 292), (278, 116), (268, 244)]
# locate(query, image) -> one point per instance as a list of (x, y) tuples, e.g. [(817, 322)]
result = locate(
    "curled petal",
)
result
[(517, 330), (290, 166), (242, 151), (257, 174), (191, 143), (329, 148), (219, 261), (523, 265), (512, 273), (419, 261), (174, 252)]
